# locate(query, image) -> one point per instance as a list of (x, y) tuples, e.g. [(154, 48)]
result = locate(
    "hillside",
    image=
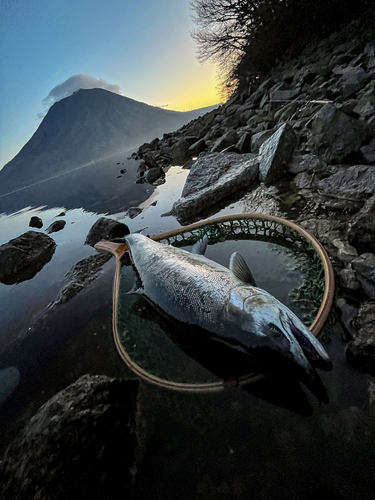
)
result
[(85, 127)]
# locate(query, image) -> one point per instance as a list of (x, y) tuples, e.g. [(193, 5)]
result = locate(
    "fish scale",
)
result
[(191, 288)]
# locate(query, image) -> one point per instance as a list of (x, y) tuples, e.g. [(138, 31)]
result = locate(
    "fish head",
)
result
[(271, 324)]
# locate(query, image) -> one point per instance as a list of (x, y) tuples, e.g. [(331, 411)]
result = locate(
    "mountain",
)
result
[(88, 126)]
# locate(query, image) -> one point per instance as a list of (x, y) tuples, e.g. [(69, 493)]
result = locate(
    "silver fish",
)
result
[(198, 291)]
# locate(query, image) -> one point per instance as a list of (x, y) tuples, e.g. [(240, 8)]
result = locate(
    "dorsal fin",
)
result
[(201, 246), (240, 269)]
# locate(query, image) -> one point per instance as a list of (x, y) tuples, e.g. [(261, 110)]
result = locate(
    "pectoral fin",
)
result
[(240, 269)]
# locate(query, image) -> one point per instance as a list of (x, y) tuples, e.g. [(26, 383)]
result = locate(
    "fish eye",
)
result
[(276, 330)]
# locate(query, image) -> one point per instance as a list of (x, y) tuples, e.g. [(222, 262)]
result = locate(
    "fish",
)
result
[(223, 301)]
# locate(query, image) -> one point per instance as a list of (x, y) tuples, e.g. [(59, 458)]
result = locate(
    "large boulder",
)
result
[(106, 229), (335, 135), (80, 444), (276, 153), (354, 183), (361, 232), (213, 177), (24, 256), (361, 351)]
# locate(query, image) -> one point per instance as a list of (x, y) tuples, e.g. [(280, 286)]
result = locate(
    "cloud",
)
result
[(73, 84)]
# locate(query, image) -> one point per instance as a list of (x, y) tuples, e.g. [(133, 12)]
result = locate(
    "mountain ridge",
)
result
[(89, 125)]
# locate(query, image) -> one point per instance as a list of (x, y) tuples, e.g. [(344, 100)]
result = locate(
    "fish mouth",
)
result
[(311, 347)]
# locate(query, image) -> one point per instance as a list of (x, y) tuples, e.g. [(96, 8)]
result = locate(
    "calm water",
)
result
[(274, 440)]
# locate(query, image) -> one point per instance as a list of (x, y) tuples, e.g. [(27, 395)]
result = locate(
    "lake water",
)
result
[(271, 440)]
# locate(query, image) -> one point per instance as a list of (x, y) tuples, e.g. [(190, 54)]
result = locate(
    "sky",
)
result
[(141, 49)]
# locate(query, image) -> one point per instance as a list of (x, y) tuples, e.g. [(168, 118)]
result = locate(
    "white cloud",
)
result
[(73, 84)]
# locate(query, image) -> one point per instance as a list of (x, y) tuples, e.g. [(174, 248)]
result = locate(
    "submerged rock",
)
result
[(81, 274), (81, 443), (213, 177), (56, 226), (106, 229), (24, 256), (364, 265)]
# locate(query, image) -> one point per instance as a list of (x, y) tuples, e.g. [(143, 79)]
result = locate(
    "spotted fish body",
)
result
[(198, 291)]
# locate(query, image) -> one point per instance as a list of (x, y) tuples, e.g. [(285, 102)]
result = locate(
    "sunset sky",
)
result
[(139, 48)]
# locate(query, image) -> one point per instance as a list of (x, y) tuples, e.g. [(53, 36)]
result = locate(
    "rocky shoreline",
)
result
[(299, 142)]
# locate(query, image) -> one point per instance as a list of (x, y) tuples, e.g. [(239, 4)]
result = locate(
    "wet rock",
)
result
[(335, 135), (81, 274), (9, 380), (276, 153), (348, 314), (354, 183), (364, 265), (361, 232), (230, 138), (106, 229), (179, 150), (36, 222), (56, 226), (81, 443), (150, 161), (361, 352), (213, 177), (22, 257)]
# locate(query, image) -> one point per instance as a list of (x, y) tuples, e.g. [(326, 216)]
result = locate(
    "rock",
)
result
[(81, 274), (361, 231), (179, 150), (81, 443), (276, 153), (150, 161), (56, 226), (284, 95), (306, 163), (197, 147), (368, 153), (364, 265), (106, 229), (230, 138), (132, 212), (213, 177), (9, 380), (22, 257), (36, 222), (244, 143), (348, 314), (61, 214), (334, 135), (258, 139), (303, 181), (361, 352), (353, 79), (153, 175), (348, 280), (354, 183), (346, 252)]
